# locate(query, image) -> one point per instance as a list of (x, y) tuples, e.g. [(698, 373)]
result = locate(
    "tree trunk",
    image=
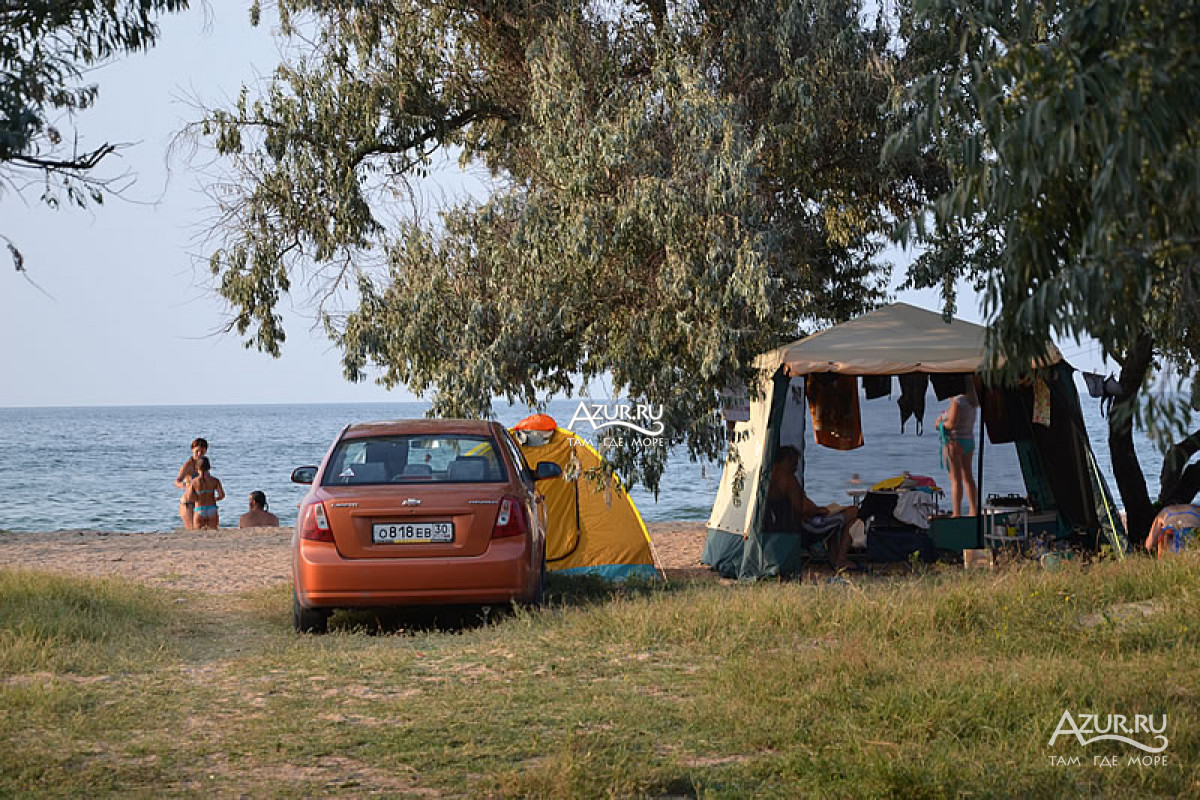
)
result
[(1131, 481), (658, 13)]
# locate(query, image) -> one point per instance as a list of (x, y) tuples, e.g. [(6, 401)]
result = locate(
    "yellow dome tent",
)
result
[(592, 529)]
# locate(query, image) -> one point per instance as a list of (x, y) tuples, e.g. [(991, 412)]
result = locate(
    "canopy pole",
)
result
[(980, 517)]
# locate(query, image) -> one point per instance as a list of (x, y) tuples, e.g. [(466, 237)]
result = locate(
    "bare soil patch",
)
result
[(230, 560)]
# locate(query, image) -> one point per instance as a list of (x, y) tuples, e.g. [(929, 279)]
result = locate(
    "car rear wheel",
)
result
[(309, 620)]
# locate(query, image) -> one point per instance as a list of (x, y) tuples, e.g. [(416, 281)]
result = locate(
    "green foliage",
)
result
[(1070, 131), (1072, 134), (46, 49), (675, 188)]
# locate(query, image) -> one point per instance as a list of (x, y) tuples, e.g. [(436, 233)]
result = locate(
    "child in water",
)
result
[(205, 491)]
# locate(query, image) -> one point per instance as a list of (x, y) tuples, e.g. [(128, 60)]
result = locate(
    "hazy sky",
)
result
[(131, 318)]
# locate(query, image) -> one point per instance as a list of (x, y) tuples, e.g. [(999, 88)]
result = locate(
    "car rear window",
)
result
[(442, 458)]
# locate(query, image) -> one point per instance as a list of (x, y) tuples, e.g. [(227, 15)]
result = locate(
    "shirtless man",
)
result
[(204, 493), (258, 516), (188, 472), (816, 520)]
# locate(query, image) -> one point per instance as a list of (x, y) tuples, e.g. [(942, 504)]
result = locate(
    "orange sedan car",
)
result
[(418, 512)]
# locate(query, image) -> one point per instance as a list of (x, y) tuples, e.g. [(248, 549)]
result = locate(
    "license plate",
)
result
[(412, 532)]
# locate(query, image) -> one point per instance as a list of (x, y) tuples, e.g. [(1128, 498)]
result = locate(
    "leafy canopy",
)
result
[(46, 50), (674, 189), (1072, 131)]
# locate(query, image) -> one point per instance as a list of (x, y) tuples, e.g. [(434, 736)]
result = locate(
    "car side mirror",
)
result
[(547, 469), (304, 475)]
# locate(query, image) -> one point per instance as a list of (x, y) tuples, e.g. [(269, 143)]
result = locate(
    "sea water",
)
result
[(112, 468)]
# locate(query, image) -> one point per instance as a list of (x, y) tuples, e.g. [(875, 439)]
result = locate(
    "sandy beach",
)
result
[(231, 560)]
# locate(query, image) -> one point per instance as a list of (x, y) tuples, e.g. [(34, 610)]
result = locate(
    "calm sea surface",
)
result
[(111, 468)]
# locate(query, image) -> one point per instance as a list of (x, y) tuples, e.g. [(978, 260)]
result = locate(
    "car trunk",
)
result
[(405, 514)]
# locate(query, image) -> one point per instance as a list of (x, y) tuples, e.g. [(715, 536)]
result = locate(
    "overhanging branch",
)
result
[(81, 163)]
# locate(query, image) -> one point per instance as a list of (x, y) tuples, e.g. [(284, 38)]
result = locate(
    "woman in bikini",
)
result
[(956, 433), (204, 492), (187, 473)]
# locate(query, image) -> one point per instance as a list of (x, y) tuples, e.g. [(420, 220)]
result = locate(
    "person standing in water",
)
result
[(187, 473), (956, 435), (204, 492)]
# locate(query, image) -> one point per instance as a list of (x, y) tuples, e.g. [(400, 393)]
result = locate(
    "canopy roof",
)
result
[(891, 340)]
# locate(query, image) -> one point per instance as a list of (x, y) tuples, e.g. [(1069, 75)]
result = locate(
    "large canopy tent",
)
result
[(1057, 463)]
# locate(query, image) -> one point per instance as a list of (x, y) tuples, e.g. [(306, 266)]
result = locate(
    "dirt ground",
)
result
[(232, 560)]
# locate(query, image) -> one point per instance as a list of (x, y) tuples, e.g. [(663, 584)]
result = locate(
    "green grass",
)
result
[(65, 625), (942, 685)]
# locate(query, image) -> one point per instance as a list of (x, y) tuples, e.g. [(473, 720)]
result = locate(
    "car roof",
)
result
[(421, 427)]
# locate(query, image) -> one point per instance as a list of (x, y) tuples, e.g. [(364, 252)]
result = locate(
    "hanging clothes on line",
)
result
[(876, 386), (912, 399), (947, 385), (1106, 390), (833, 400), (1041, 402), (996, 415)]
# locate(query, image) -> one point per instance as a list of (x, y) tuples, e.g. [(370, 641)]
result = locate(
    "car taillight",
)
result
[(315, 526), (510, 521)]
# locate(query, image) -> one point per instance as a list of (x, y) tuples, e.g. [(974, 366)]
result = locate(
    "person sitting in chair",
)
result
[(787, 504)]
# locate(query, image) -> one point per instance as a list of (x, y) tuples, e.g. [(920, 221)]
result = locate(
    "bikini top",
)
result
[(210, 494)]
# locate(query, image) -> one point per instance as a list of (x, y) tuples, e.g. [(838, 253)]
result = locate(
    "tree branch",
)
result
[(19, 264), (1188, 486), (1176, 474), (80, 163)]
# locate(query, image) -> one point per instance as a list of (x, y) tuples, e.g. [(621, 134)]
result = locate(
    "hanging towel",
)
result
[(912, 399), (995, 415), (834, 402), (876, 386), (943, 445), (1041, 402), (1095, 384)]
